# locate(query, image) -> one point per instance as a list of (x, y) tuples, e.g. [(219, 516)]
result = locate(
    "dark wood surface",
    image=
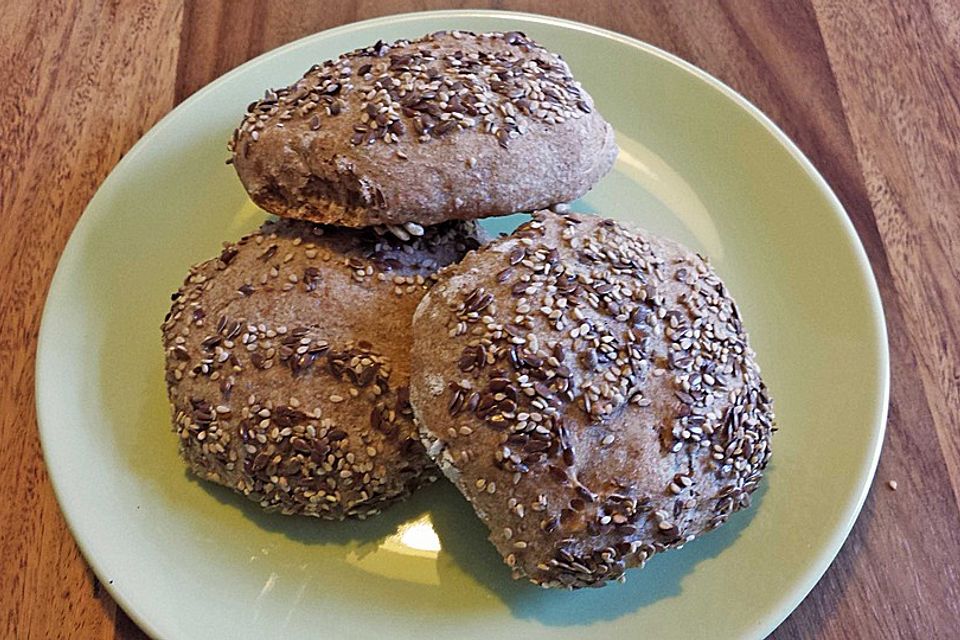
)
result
[(869, 90)]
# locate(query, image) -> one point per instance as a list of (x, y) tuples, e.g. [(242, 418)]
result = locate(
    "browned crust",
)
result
[(591, 390), (287, 365), (476, 125)]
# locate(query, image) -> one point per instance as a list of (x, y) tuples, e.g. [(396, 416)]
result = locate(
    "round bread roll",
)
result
[(590, 389), (451, 126), (287, 365)]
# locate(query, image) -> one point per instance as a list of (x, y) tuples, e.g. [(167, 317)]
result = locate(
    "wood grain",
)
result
[(83, 82), (870, 91)]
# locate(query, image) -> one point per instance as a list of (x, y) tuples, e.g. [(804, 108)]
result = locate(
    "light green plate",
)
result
[(698, 163)]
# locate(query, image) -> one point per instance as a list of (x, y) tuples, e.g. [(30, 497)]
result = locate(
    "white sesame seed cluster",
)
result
[(437, 90)]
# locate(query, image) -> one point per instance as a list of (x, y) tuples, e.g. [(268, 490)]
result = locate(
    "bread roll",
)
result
[(451, 126), (591, 390), (287, 365)]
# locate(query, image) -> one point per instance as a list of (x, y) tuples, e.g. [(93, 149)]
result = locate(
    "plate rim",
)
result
[(792, 597)]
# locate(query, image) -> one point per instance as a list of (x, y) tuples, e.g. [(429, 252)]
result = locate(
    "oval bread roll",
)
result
[(287, 365), (591, 390), (451, 126)]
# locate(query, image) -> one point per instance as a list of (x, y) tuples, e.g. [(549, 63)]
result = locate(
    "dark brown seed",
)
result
[(517, 255), (246, 289), (228, 254), (456, 402), (314, 123), (533, 361), (484, 302), (485, 405), (336, 435), (472, 401), (534, 446), (311, 276), (504, 275), (269, 253), (260, 461), (498, 384), (514, 330), (514, 356), (558, 352), (603, 289), (301, 445), (403, 398), (467, 359), (559, 475), (445, 127)]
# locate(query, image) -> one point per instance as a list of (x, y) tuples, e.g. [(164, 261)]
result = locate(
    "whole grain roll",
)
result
[(454, 125), (287, 365), (591, 390)]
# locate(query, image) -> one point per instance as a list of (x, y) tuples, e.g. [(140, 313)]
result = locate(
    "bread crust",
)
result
[(287, 365), (451, 126), (591, 390)]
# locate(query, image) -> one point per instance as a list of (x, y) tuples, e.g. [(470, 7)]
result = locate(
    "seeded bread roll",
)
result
[(590, 389), (287, 362), (451, 126)]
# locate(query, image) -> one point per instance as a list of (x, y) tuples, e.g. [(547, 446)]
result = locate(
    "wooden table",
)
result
[(869, 90)]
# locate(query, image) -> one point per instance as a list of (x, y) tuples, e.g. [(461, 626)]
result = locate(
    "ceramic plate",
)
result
[(697, 163)]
